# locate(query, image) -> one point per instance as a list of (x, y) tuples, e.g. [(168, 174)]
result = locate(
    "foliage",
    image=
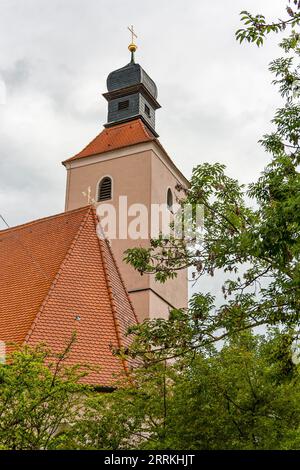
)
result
[(125, 418), (245, 396), (39, 396), (256, 244), (256, 26)]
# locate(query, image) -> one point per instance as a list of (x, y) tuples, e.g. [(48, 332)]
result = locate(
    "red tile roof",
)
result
[(112, 138), (57, 277), (120, 136)]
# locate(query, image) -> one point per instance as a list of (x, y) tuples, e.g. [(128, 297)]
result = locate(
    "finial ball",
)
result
[(132, 47)]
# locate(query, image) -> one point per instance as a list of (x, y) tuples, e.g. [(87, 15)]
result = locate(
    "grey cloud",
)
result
[(216, 96), (16, 75)]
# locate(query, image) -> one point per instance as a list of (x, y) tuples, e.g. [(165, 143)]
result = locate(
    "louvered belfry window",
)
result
[(123, 105), (104, 190), (147, 110)]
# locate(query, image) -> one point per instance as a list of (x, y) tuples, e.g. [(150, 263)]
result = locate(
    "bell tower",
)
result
[(126, 167)]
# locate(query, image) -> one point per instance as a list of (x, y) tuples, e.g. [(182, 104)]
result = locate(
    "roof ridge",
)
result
[(123, 124), (147, 131), (121, 278), (57, 275), (84, 148), (118, 126), (110, 292), (43, 219), (137, 126)]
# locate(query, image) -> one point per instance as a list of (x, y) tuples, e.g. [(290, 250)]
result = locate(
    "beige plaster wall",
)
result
[(175, 291), (139, 173)]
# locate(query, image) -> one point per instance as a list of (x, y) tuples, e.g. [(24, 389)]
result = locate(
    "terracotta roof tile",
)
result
[(57, 277), (120, 136), (112, 138)]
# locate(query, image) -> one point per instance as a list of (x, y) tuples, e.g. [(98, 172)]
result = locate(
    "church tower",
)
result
[(126, 166)]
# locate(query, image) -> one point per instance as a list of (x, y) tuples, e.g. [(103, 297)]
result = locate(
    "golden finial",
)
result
[(132, 46)]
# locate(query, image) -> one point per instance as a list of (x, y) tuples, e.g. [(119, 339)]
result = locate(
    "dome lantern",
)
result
[(131, 94)]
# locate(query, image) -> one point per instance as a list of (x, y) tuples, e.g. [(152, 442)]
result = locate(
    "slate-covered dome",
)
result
[(130, 75), (131, 95)]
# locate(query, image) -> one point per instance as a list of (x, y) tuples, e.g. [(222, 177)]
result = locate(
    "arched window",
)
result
[(170, 200), (104, 189)]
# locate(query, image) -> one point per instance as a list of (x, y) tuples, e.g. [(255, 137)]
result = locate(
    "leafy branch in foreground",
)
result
[(256, 26), (39, 397), (257, 245), (245, 396)]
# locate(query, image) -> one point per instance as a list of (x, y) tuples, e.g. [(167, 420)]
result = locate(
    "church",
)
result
[(58, 276)]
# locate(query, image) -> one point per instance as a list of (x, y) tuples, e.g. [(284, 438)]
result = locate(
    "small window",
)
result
[(170, 200), (104, 189), (147, 110), (123, 105)]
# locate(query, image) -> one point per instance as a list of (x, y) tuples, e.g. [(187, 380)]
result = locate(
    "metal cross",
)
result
[(133, 35)]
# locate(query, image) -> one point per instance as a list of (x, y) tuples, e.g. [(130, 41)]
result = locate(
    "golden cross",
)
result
[(133, 35)]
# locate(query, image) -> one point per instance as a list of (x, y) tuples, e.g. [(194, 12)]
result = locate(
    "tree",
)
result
[(128, 418), (244, 396), (258, 245), (257, 27), (39, 396)]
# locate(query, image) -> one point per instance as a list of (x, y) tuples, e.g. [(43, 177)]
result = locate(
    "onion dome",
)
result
[(131, 94)]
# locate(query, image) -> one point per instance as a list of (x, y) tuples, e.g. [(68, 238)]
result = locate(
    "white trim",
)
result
[(112, 188)]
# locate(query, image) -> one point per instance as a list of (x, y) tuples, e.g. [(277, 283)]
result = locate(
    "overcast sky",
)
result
[(216, 96)]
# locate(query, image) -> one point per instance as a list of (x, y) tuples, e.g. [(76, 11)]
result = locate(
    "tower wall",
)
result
[(143, 174)]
